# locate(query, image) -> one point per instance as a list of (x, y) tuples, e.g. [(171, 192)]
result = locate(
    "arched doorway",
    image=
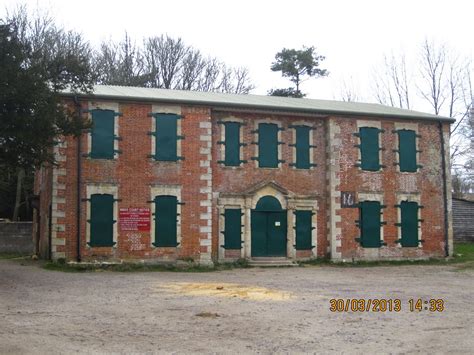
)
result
[(268, 228)]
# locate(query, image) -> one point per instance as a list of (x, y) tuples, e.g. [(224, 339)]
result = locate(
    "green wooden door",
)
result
[(276, 233), (268, 233)]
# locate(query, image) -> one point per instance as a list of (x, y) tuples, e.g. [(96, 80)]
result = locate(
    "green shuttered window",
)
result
[(407, 150), (268, 145), (166, 218), (232, 228), (303, 147), (102, 220), (303, 230), (409, 224), (369, 148), (232, 144), (369, 224), (102, 134), (166, 137)]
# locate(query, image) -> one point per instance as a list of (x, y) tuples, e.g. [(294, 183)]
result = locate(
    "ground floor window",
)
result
[(101, 220), (303, 230), (232, 228), (166, 218), (369, 223), (409, 224)]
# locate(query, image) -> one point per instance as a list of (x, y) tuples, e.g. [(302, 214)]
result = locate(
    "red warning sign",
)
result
[(134, 219)]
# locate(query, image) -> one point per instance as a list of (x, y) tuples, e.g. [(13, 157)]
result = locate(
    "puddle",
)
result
[(228, 290)]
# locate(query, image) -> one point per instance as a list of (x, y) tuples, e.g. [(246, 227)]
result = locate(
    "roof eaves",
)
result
[(213, 104)]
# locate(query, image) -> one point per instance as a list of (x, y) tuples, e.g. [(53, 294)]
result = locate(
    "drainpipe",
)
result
[(78, 186), (445, 189)]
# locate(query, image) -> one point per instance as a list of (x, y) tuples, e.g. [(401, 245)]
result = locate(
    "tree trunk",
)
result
[(19, 181), (27, 202)]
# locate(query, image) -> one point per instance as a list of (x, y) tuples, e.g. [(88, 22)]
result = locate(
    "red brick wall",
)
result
[(427, 181), (297, 181), (133, 173)]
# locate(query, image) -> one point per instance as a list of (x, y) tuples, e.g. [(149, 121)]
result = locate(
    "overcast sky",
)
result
[(353, 35)]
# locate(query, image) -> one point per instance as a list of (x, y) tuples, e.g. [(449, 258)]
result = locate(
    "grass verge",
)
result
[(189, 266), (463, 259), (12, 255)]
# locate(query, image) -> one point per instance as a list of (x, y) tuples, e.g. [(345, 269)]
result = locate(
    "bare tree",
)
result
[(446, 85), (120, 63), (193, 67), (165, 57), (444, 82), (64, 55), (165, 62), (243, 84), (392, 82), (348, 91)]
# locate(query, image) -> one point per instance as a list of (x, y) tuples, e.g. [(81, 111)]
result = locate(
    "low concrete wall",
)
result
[(15, 237)]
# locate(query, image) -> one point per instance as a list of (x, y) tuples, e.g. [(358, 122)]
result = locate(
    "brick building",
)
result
[(169, 175)]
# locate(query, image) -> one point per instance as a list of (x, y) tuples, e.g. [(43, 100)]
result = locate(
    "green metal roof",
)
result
[(260, 102)]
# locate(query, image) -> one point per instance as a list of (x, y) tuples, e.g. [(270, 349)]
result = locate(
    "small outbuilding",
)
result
[(463, 220)]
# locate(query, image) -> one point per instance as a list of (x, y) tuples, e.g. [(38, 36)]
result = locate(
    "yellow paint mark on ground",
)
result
[(253, 293)]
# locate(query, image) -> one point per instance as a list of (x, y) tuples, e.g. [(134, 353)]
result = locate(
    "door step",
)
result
[(272, 262)]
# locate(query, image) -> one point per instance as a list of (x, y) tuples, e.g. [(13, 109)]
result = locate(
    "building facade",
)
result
[(165, 175)]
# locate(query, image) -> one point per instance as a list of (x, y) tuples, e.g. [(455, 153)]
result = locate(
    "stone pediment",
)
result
[(265, 185)]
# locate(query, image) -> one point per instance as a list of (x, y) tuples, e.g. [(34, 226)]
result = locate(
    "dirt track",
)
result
[(244, 310)]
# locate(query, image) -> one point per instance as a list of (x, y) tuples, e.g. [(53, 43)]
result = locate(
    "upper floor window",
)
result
[(407, 150), (302, 147), (166, 137), (102, 134), (369, 148), (231, 144), (268, 145)]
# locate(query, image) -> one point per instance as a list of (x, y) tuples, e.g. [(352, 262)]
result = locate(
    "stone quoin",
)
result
[(222, 177)]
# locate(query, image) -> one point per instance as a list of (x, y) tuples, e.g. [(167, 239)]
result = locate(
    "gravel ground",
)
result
[(243, 310)]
